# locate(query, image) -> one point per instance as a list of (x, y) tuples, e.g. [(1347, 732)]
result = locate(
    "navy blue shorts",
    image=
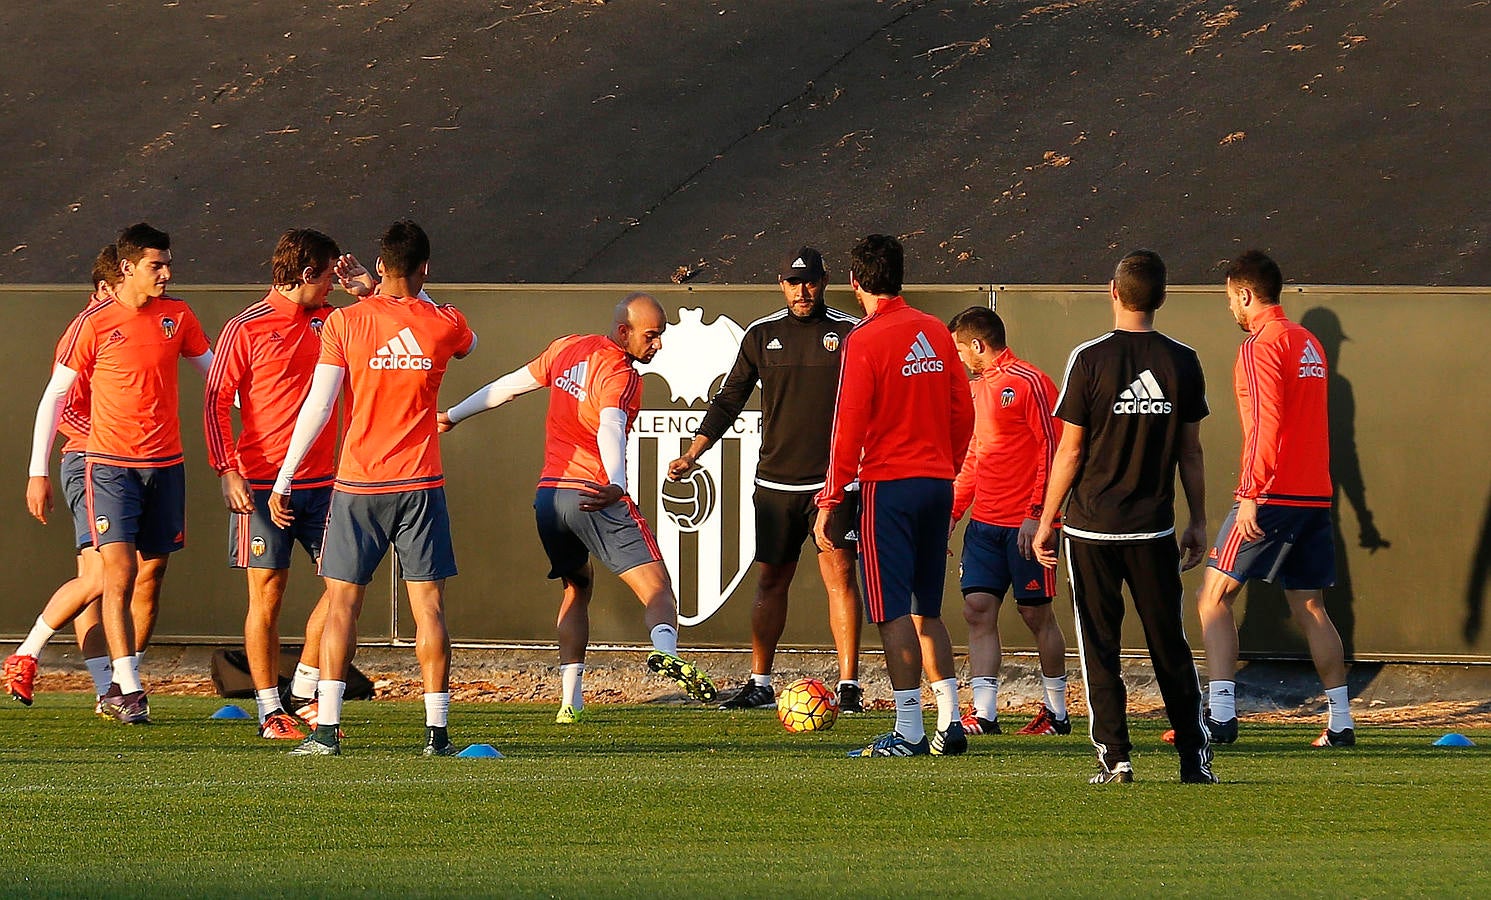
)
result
[(361, 527), (255, 542), (1298, 548), (618, 536), (992, 564), (145, 507), (75, 492), (903, 546)]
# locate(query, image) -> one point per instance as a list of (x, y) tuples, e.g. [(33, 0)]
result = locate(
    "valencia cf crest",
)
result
[(168, 327), (1007, 396), (705, 523), (316, 323), (101, 524), (831, 341), (256, 546)]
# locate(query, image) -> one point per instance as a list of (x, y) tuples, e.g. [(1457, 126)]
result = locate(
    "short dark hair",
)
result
[(1140, 278), (136, 239), (299, 249), (979, 322), (1255, 271), (106, 266), (879, 264), (404, 248)]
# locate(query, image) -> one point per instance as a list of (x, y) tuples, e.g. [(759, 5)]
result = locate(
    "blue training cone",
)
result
[(1454, 740), (480, 751), (231, 711)]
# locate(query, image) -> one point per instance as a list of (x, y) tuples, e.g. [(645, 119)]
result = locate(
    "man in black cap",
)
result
[(794, 354)]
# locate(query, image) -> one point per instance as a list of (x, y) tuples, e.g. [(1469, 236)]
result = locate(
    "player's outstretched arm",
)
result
[(514, 384)]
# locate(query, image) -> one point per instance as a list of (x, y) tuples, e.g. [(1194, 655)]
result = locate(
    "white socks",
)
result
[(1055, 694), (268, 700), (127, 674), (304, 684), (329, 703), (763, 680), (1340, 709), (665, 638), (40, 633), (985, 696), (1223, 700), (437, 709), (946, 692), (574, 691), (909, 724), (102, 672)]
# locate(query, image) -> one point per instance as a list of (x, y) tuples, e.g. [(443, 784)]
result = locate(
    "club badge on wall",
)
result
[(705, 522)]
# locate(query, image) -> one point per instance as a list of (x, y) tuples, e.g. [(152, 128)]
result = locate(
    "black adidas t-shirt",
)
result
[(1131, 391)]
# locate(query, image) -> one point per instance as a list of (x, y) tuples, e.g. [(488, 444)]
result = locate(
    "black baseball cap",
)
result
[(804, 265)]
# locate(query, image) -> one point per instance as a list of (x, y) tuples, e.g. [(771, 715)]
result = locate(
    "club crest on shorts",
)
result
[(831, 341), (101, 524), (705, 522), (256, 546), (1007, 396), (168, 327)]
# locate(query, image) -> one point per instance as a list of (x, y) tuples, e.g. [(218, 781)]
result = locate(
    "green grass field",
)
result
[(676, 802)]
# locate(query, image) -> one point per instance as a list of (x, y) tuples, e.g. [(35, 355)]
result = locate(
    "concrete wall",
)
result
[(1413, 511)]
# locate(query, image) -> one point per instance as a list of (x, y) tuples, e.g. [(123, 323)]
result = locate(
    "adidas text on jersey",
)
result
[(401, 352), (1144, 396), (921, 358), (1310, 363), (572, 382)]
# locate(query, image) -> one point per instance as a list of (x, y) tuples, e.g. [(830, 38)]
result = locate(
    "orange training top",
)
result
[(266, 356), (131, 358), (587, 373), (1015, 433), (395, 351), (1280, 380)]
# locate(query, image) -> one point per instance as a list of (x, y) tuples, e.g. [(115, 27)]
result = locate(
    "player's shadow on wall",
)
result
[(1265, 628)]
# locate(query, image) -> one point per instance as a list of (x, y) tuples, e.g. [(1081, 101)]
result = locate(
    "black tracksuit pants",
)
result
[(1151, 569)]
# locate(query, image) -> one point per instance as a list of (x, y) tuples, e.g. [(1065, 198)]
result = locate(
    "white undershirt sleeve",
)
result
[(48, 412), (203, 362), (610, 437), (315, 412), (513, 384)]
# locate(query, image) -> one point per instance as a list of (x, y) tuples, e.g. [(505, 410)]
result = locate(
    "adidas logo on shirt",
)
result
[(1143, 396), (922, 358), (572, 382), (1310, 363), (774, 344), (401, 352)]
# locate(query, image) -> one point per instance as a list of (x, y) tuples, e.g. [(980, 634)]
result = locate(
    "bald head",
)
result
[(638, 325)]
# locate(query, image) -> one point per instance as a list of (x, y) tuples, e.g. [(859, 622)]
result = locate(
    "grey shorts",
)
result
[(255, 542), (618, 535), (361, 527), (75, 492)]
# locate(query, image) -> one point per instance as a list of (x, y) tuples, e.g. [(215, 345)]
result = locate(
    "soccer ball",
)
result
[(807, 704)]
